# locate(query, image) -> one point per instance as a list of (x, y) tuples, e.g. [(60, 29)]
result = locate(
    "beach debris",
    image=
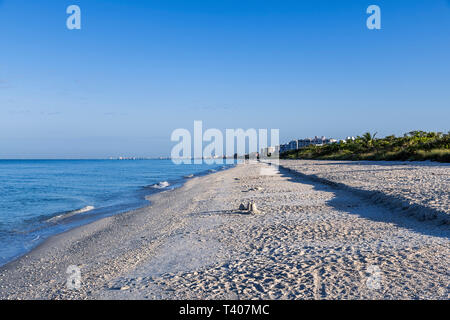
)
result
[(243, 207), (249, 208), (252, 208)]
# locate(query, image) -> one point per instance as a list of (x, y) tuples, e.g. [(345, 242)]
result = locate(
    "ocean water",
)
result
[(39, 198)]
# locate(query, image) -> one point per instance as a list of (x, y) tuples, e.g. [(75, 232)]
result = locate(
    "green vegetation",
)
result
[(415, 145)]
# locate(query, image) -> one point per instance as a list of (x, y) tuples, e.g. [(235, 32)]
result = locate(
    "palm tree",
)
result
[(368, 139)]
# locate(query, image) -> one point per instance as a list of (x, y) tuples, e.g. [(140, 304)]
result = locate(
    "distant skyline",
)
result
[(137, 70)]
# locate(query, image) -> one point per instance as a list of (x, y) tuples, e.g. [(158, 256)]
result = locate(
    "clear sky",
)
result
[(139, 69)]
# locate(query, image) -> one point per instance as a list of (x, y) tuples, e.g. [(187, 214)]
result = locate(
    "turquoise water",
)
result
[(39, 198)]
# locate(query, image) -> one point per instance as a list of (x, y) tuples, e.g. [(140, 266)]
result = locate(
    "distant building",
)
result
[(293, 145), (318, 141), (301, 143), (348, 139)]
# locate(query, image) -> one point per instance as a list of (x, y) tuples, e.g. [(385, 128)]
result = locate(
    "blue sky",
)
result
[(139, 69)]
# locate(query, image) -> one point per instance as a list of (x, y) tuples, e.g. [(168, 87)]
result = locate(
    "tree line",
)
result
[(412, 146)]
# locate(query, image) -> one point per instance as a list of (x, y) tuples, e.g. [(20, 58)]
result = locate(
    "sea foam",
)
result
[(161, 185), (69, 214)]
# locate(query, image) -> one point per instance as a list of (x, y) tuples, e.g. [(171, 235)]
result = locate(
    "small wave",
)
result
[(68, 214), (160, 185), (188, 176)]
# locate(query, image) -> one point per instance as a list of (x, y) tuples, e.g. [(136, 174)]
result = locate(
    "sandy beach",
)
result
[(326, 230)]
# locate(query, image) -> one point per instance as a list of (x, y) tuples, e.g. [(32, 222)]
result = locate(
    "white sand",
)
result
[(420, 188), (311, 241)]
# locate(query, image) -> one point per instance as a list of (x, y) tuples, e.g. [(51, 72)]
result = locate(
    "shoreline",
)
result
[(65, 221), (61, 242), (194, 243)]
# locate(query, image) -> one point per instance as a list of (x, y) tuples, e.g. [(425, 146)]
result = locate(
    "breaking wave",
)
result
[(69, 214), (161, 185)]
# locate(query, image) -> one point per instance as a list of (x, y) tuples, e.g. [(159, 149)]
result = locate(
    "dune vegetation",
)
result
[(413, 146)]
